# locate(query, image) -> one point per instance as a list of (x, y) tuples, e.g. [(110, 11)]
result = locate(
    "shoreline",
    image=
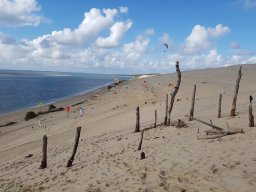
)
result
[(83, 93), (62, 102)]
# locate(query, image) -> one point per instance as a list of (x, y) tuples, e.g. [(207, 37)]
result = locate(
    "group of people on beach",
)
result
[(80, 109)]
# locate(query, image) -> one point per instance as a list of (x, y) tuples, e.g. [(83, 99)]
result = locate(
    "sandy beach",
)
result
[(107, 157)]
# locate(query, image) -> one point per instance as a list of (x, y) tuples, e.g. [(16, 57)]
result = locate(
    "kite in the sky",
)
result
[(166, 46)]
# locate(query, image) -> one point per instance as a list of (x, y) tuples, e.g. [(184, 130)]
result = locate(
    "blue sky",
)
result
[(121, 36)]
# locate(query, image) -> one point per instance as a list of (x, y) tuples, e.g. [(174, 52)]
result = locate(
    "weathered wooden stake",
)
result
[(44, 153), (142, 155), (233, 110), (166, 110), (220, 101), (176, 88), (192, 104), (137, 128), (155, 118), (70, 161), (141, 138), (251, 116)]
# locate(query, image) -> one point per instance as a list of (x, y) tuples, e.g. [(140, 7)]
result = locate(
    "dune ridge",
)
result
[(107, 158)]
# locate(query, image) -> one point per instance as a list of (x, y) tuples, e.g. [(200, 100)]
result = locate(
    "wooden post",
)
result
[(233, 110), (142, 155), (141, 138), (44, 153), (155, 118), (137, 128), (220, 101), (70, 161), (192, 104), (166, 110), (251, 116), (176, 88)]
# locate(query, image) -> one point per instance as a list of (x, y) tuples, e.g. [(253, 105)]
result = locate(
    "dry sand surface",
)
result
[(107, 158)]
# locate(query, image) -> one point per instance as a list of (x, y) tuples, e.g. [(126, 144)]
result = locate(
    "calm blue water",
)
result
[(22, 89)]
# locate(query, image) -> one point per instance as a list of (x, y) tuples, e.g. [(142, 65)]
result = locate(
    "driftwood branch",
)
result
[(218, 134), (211, 125), (229, 132), (70, 161), (233, 110), (176, 88), (192, 104), (212, 137)]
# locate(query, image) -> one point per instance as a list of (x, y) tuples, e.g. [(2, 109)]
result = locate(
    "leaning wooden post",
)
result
[(70, 161), (176, 88), (251, 117), (137, 128), (192, 104), (220, 101), (141, 138), (155, 118), (44, 153), (233, 110), (166, 110)]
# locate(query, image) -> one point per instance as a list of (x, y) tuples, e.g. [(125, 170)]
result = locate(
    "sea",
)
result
[(24, 89)]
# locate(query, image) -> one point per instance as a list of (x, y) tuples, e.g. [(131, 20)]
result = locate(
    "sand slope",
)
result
[(107, 158)]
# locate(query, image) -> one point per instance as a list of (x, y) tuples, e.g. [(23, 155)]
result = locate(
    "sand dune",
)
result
[(107, 158)]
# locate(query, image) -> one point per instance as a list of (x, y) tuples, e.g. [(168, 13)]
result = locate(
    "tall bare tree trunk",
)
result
[(192, 104), (233, 110), (176, 88)]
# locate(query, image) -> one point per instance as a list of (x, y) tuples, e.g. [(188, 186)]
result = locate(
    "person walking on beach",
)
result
[(81, 111), (67, 109)]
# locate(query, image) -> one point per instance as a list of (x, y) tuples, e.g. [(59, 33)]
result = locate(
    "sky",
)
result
[(126, 36)]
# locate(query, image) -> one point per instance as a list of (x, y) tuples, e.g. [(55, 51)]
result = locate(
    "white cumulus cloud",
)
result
[(94, 23), (134, 50), (20, 13), (116, 33), (200, 38)]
